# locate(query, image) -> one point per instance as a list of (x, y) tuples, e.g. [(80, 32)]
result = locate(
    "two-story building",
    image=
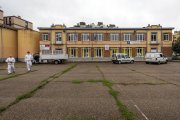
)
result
[(98, 42), (17, 22)]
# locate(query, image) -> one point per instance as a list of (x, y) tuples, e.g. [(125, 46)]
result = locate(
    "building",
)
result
[(16, 38), (1, 17), (98, 42), (17, 22)]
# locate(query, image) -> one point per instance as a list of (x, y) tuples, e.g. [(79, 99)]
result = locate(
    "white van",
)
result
[(121, 58), (155, 58)]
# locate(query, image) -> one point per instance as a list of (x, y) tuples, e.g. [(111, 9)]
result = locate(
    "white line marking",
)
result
[(135, 105), (141, 112)]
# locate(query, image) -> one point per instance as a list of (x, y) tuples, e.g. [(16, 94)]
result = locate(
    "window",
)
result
[(85, 36), (140, 37), (45, 36), (98, 52), (58, 51), (140, 52), (128, 51), (86, 52), (114, 36), (127, 37), (98, 36), (166, 36), (58, 36), (153, 37), (154, 50), (72, 36), (114, 50), (73, 52)]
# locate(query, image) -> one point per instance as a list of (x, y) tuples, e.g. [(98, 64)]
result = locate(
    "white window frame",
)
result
[(127, 37), (129, 51), (58, 36), (98, 36), (114, 36), (139, 37), (98, 52), (45, 36), (112, 51), (154, 49), (73, 37), (166, 35), (86, 52), (154, 36), (85, 37), (73, 52), (139, 52)]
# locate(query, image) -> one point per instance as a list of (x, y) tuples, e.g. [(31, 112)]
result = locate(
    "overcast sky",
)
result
[(123, 13)]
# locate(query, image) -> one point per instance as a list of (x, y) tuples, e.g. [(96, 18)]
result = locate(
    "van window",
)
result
[(157, 55), (114, 55), (122, 56), (118, 56), (126, 56)]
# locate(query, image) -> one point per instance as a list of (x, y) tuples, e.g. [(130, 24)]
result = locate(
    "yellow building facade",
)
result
[(98, 43), (17, 37), (8, 43), (17, 42)]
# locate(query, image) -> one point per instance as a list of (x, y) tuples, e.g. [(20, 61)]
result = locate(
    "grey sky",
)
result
[(123, 13)]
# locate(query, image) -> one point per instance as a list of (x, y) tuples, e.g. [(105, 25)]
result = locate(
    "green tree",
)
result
[(176, 46)]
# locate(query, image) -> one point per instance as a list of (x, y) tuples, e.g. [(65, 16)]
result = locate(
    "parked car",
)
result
[(155, 58), (121, 58)]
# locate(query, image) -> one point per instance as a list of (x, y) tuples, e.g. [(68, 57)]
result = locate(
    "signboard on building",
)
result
[(133, 42), (106, 47), (44, 47)]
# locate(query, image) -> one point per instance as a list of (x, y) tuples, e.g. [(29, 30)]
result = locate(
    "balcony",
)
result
[(58, 42), (154, 42)]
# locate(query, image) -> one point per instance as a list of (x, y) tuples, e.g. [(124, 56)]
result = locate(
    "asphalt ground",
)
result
[(150, 91)]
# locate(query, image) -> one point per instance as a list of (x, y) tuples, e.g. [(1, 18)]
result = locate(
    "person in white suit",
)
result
[(10, 61), (28, 60)]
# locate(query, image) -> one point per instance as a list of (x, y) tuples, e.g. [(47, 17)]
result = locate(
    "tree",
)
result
[(176, 46)]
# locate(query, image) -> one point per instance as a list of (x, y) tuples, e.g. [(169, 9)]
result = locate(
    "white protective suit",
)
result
[(28, 60), (10, 61)]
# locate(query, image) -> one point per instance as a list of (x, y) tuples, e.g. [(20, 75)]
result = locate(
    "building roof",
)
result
[(80, 28), (18, 18)]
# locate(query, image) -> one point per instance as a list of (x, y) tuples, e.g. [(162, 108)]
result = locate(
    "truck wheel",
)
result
[(166, 62), (159, 62), (60, 61), (56, 62), (132, 61), (119, 62)]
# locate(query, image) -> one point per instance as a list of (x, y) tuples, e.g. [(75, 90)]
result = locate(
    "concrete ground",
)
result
[(150, 91)]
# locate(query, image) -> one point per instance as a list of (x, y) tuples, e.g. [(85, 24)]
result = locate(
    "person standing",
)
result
[(28, 60), (10, 61)]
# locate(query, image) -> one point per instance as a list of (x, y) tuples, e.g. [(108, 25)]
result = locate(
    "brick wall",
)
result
[(106, 53), (167, 51), (79, 52)]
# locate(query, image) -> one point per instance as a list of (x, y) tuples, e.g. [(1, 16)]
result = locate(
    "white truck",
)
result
[(48, 56), (155, 58)]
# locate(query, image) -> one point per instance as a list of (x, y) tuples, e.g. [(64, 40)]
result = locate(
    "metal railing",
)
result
[(49, 52)]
